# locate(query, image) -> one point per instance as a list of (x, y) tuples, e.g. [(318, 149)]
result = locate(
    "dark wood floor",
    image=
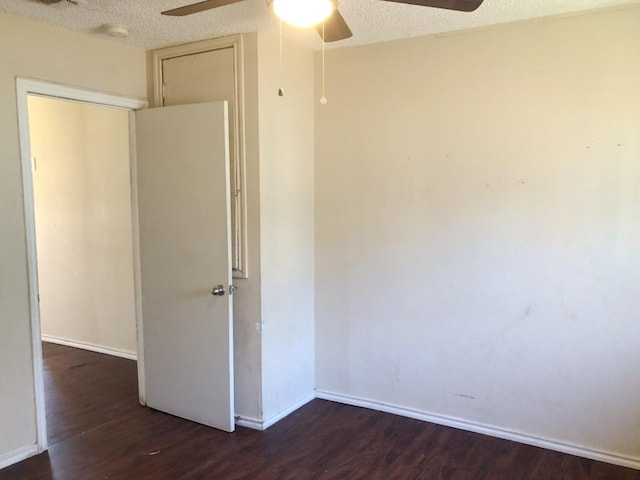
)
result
[(98, 431), (85, 390)]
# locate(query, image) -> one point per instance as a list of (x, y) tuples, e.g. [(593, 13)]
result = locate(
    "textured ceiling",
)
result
[(370, 20)]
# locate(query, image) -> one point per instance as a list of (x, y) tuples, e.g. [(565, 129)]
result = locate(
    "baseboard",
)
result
[(18, 455), (256, 424), (91, 347), (571, 449), (249, 422), (280, 415)]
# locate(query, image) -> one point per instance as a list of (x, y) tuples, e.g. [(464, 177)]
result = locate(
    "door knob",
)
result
[(219, 290)]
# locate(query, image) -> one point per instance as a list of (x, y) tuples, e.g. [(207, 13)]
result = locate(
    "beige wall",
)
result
[(34, 50), (82, 192), (477, 228), (286, 226)]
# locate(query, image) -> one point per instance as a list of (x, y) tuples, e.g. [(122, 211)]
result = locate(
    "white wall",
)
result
[(286, 227), (477, 228), (82, 193), (35, 50)]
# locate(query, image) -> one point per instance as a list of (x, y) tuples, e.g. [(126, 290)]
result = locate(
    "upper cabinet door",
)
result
[(212, 71)]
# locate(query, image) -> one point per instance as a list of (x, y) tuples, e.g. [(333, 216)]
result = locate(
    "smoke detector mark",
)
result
[(115, 30)]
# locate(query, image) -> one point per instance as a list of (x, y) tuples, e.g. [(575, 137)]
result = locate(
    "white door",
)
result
[(183, 200)]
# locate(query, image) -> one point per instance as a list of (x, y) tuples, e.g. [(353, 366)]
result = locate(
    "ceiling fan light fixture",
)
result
[(303, 13)]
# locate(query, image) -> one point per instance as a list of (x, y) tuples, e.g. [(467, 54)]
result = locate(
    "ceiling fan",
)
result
[(331, 24)]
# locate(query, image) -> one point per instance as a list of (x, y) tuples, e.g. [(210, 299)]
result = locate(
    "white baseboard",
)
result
[(249, 422), (256, 424), (280, 415), (91, 347), (18, 455), (630, 462)]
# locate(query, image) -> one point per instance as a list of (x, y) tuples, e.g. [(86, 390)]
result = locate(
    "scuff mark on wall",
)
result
[(529, 310), (462, 395)]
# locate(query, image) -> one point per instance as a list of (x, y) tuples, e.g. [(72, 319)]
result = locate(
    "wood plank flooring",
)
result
[(111, 389), (98, 431)]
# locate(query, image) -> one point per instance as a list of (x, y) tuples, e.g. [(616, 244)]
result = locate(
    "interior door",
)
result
[(184, 215)]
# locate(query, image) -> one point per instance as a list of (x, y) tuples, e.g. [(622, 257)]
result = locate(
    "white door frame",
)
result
[(25, 87)]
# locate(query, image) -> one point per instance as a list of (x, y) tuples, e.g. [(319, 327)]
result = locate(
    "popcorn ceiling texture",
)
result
[(370, 20)]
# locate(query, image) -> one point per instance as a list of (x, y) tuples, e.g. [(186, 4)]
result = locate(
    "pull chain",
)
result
[(323, 98), (281, 89)]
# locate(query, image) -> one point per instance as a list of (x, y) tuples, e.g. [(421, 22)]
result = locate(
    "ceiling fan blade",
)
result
[(198, 7), (335, 28), (460, 5)]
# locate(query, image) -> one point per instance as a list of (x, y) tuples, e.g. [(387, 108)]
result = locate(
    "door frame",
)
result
[(24, 88)]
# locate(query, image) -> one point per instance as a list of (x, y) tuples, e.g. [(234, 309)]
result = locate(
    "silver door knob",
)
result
[(219, 290)]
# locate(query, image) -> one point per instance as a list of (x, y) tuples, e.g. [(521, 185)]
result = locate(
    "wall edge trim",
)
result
[(18, 455), (115, 352), (492, 431)]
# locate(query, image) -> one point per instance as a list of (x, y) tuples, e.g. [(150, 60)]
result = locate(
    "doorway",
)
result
[(82, 199), (29, 89)]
